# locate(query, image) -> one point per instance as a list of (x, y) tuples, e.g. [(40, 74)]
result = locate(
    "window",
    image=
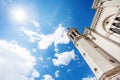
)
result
[(77, 32), (115, 30), (116, 24), (77, 44), (95, 69), (74, 34), (71, 37), (111, 60), (84, 54), (117, 18)]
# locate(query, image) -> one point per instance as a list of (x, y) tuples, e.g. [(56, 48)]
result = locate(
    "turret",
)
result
[(73, 34), (103, 65)]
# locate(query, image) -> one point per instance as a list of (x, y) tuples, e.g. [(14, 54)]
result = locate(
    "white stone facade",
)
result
[(100, 44)]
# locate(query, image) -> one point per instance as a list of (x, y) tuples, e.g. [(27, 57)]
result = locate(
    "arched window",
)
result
[(116, 25), (115, 30), (117, 18)]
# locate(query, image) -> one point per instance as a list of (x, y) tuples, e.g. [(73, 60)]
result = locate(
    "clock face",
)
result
[(112, 25)]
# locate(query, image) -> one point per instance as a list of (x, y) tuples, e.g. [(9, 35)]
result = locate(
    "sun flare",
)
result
[(18, 14)]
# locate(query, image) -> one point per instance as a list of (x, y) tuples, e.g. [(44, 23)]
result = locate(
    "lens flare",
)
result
[(18, 14)]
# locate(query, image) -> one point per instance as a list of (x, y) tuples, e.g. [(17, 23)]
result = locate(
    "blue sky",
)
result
[(33, 40)]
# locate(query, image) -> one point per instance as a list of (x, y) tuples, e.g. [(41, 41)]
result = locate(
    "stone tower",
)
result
[(100, 44)]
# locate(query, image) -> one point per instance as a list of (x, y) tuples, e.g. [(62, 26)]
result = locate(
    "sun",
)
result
[(18, 14)]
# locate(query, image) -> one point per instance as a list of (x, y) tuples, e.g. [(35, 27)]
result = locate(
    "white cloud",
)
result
[(57, 73), (34, 74), (47, 77), (44, 41), (58, 37), (41, 58), (34, 49), (45, 66), (68, 70), (36, 24), (49, 58), (63, 58), (13, 41), (31, 34), (89, 78), (16, 63)]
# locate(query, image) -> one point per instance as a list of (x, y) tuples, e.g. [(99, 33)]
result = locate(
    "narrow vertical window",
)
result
[(74, 34), (71, 37), (77, 32)]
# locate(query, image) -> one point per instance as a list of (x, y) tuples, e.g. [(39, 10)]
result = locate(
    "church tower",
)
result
[(100, 44)]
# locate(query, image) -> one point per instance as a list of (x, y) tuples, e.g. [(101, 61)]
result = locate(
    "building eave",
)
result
[(96, 18), (95, 4)]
